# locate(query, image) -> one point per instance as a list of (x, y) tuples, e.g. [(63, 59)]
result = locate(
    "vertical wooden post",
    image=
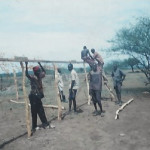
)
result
[(110, 91), (87, 84), (57, 93), (26, 101), (105, 79), (15, 82)]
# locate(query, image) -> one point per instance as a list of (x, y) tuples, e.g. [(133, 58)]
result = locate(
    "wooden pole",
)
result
[(87, 84), (23, 59), (122, 107), (15, 82), (57, 93), (105, 79), (26, 101), (109, 90)]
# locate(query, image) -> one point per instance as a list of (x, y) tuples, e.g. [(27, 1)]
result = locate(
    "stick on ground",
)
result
[(45, 106), (122, 107)]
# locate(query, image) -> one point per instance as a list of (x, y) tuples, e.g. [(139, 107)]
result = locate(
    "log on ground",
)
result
[(122, 107), (45, 106)]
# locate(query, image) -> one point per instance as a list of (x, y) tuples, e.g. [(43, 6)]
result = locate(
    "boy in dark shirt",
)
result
[(96, 88), (35, 96), (118, 77)]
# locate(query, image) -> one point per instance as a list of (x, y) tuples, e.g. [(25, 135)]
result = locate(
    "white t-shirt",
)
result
[(74, 76)]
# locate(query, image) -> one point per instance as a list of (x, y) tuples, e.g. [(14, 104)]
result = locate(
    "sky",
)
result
[(58, 29)]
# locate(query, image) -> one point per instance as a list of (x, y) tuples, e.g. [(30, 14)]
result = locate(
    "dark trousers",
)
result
[(37, 109), (72, 97), (96, 98), (118, 91), (62, 96)]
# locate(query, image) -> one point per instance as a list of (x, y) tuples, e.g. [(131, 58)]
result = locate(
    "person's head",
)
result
[(70, 67), (115, 67), (94, 67), (84, 47), (37, 70), (59, 70), (93, 50)]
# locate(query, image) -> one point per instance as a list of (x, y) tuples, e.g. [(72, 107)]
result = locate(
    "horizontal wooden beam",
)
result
[(45, 106), (23, 59)]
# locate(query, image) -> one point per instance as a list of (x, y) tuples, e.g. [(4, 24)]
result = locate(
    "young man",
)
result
[(118, 77), (98, 58), (35, 96), (73, 87), (96, 88), (60, 86), (84, 53)]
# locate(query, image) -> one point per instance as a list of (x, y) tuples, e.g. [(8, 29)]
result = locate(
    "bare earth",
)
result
[(83, 131)]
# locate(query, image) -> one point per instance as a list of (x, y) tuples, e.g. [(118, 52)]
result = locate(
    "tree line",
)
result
[(134, 41)]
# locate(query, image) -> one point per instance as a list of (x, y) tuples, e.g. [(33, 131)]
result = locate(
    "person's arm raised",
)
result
[(43, 70), (27, 73)]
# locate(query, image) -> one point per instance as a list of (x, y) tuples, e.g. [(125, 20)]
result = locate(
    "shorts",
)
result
[(96, 95)]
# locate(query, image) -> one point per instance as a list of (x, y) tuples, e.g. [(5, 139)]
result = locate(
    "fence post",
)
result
[(15, 82), (26, 101), (57, 93), (87, 84)]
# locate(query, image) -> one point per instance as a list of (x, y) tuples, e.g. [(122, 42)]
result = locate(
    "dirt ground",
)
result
[(83, 131)]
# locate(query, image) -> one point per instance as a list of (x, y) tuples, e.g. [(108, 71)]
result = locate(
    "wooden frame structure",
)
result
[(26, 101), (60, 107), (23, 59)]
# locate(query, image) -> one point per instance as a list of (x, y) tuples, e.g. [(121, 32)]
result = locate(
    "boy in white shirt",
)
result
[(60, 86), (73, 87)]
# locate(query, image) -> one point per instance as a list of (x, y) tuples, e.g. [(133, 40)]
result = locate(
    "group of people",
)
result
[(96, 75), (36, 93)]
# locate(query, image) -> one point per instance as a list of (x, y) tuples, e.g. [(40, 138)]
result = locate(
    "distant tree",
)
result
[(135, 41), (132, 62), (109, 66)]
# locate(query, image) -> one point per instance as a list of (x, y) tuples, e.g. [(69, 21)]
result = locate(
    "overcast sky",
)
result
[(58, 29)]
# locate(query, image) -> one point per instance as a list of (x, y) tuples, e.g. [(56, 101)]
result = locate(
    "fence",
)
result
[(22, 87)]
